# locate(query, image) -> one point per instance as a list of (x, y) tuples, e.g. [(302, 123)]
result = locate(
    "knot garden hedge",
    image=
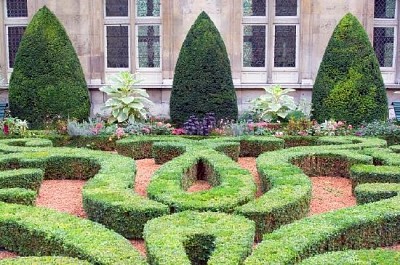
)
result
[(216, 226)]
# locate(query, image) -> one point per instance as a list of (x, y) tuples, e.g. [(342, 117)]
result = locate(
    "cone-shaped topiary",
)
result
[(203, 78), (349, 83), (47, 79)]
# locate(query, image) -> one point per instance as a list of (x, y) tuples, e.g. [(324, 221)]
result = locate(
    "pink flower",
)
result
[(350, 127), (278, 134), (159, 124), (119, 132)]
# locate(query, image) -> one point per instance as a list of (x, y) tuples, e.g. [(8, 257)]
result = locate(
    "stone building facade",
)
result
[(268, 41)]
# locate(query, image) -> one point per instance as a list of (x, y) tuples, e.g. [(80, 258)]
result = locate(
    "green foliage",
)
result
[(203, 80), (44, 261), (275, 103), (39, 231), (359, 257), (126, 102), (349, 84), (227, 238), (47, 77)]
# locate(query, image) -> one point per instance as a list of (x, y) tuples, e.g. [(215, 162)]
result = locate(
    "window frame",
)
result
[(116, 69), (249, 68), (114, 19), (296, 67), (145, 69), (6, 17), (388, 23)]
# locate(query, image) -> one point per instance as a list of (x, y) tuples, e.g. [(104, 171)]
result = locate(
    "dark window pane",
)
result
[(254, 8), (117, 47), (285, 46), (385, 8), (254, 46), (14, 38), (286, 8), (149, 46), (384, 46), (148, 8), (116, 8), (17, 8)]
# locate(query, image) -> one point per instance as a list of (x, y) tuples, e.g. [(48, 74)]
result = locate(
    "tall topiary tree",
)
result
[(47, 79), (349, 83), (203, 78)]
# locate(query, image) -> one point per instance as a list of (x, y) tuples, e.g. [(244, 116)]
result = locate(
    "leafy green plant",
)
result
[(47, 78), (275, 103), (126, 101), (14, 126)]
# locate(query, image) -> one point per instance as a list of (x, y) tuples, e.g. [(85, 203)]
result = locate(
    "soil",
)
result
[(328, 194)]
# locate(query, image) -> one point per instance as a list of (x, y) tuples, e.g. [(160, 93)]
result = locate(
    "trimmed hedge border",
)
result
[(378, 256), (288, 189), (372, 174), (108, 197), (367, 226), (44, 261), (232, 185), (39, 231), (372, 192), (224, 239)]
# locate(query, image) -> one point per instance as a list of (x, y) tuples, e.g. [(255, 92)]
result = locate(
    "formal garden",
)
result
[(285, 182)]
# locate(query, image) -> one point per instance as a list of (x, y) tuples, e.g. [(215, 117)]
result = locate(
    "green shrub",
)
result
[(371, 174), (203, 80), (211, 238), (44, 261), (40, 231), (18, 196), (367, 226), (372, 192), (349, 85), (232, 185), (47, 79), (360, 257)]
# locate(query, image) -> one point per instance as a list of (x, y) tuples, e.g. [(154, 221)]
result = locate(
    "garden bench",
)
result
[(3, 108), (396, 108)]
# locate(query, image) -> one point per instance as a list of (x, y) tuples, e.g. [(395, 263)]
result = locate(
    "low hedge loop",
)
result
[(213, 238), (40, 231), (43, 260), (232, 185)]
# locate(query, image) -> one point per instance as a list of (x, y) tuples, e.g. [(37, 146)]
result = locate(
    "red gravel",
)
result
[(199, 185), (62, 195), (249, 163), (328, 194), (145, 169)]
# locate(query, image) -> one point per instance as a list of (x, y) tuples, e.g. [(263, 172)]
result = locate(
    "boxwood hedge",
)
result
[(198, 238), (43, 260)]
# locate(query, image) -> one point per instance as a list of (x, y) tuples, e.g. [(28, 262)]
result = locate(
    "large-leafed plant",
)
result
[(126, 102)]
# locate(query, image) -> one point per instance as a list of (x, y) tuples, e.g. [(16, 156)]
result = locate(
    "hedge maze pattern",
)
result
[(216, 226)]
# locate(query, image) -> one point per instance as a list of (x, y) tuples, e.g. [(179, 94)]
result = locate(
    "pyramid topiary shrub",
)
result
[(203, 78), (47, 79), (349, 83)]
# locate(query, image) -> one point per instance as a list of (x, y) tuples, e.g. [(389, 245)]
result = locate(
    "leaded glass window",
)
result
[(148, 8), (253, 46), (285, 46), (149, 46), (117, 8), (14, 38), (254, 8), (385, 9), (384, 45), (17, 8), (286, 8), (117, 47)]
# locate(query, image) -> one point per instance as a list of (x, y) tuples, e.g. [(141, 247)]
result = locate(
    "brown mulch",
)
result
[(328, 194)]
